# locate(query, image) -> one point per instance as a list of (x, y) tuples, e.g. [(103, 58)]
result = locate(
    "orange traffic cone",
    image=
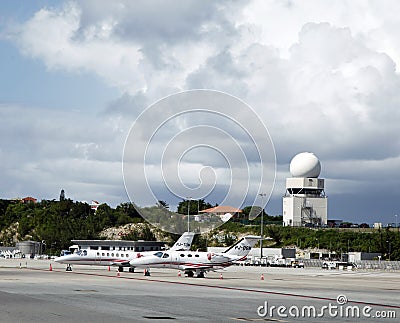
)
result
[(179, 273), (262, 276), (51, 268), (220, 276)]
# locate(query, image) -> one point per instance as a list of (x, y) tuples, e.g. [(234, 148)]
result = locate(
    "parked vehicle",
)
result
[(297, 264)]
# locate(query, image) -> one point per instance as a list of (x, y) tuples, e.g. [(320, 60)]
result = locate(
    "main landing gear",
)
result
[(199, 273)]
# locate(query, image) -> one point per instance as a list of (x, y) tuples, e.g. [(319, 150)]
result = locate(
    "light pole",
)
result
[(189, 212), (389, 248), (396, 221), (262, 223)]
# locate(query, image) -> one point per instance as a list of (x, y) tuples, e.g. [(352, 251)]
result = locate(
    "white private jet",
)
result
[(117, 258), (193, 261)]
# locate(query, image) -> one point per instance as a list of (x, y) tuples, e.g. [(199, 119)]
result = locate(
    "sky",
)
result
[(322, 76)]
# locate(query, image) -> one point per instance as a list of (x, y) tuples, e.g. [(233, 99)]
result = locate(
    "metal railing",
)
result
[(360, 265)]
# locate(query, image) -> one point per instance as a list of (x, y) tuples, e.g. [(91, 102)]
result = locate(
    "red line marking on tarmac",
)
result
[(224, 287)]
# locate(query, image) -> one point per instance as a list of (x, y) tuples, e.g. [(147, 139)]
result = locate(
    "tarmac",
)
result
[(43, 291)]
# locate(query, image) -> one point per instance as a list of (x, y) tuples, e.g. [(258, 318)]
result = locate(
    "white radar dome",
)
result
[(305, 165)]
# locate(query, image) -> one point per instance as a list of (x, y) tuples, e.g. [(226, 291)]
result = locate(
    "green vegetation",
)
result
[(195, 206), (58, 222)]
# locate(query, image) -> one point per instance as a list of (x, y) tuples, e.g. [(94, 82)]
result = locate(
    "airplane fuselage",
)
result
[(184, 260), (101, 257)]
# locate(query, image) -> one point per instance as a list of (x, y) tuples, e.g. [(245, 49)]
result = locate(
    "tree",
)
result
[(275, 233), (62, 195), (195, 206), (128, 209), (163, 204)]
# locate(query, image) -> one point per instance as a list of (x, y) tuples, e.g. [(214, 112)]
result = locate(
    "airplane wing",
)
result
[(216, 261), (120, 263)]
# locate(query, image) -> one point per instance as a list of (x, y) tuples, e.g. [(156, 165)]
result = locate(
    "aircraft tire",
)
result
[(200, 274)]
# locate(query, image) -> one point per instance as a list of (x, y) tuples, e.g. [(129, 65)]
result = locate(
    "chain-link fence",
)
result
[(359, 265)]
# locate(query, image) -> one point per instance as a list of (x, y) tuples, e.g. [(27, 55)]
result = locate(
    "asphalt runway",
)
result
[(30, 292)]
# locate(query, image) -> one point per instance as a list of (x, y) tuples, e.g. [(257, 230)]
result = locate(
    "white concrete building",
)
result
[(305, 203)]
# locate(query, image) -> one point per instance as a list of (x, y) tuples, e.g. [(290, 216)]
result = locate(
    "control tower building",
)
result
[(305, 203)]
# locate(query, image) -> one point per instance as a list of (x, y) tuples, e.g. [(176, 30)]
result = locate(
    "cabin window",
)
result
[(108, 254), (84, 252), (165, 255), (98, 253), (196, 255), (158, 254), (112, 255), (117, 254), (189, 255), (102, 254), (182, 255), (126, 255)]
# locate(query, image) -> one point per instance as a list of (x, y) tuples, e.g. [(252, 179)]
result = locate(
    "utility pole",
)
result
[(188, 228), (262, 223)]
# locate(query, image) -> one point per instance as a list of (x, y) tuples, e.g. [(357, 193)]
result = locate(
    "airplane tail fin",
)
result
[(184, 242), (243, 246)]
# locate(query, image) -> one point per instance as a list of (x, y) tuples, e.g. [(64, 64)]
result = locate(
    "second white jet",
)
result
[(197, 262)]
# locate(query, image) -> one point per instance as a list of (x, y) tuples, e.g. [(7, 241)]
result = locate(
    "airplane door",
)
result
[(175, 260), (98, 258), (166, 260)]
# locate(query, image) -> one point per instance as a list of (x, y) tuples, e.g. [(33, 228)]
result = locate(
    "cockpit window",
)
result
[(165, 255), (158, 254)]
